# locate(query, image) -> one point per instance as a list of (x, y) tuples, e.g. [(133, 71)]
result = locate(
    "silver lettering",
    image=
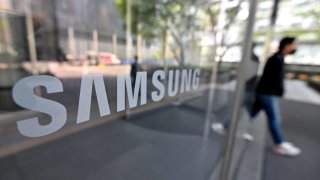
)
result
[(23, 95), (196, 79), (186, 78), (172, 92), (124, 85), (158, 95), (85, 98)]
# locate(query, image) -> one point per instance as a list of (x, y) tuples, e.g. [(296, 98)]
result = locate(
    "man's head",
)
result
[(288, 45), (135, 58)]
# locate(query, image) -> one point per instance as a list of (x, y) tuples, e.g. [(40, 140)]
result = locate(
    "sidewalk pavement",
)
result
[(125, 149), (300, 114), (297, 90), (165, 143)]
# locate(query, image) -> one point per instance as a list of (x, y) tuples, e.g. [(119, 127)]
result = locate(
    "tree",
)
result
[(311, 13), (166, 18), (143, 17), (231, 18)]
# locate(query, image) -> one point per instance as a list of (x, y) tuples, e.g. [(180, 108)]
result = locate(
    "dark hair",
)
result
[(285, 41), (254, 44)]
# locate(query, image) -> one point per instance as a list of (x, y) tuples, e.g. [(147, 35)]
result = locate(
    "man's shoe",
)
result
[(248, 137), (218, 128), (286, 149)]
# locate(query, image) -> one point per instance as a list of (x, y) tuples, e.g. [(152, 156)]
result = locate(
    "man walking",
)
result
[(269, 89)]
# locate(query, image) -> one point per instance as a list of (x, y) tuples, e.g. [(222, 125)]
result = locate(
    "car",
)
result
[(107, 58)]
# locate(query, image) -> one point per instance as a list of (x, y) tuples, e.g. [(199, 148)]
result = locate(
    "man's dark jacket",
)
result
[(272, 80)]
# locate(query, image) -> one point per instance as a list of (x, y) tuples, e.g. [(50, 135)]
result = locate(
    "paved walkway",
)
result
[(165, 143), (300, 91), (301, 125)]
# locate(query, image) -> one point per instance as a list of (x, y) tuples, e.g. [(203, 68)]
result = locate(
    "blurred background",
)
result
[(170, 139)]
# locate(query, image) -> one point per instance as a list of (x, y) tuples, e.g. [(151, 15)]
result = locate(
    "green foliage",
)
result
[(153, 16), (315, 13), (143, 15), (121, 7)]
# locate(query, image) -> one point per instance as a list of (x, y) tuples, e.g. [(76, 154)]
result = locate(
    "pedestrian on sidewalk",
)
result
[(269, 89), (134, 71)]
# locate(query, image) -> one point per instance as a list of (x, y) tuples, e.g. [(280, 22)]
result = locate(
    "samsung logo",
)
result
[(178, 81)]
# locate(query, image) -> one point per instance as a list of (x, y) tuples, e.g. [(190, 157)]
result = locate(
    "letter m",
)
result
[(124, 86)]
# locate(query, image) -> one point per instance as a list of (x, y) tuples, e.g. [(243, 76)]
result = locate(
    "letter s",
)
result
[(23, 95), (157, 84)]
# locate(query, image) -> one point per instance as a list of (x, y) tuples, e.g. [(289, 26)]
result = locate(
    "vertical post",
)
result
[(95, 42), (71, 45), (139, 42), (128, 30), (217, 43), (143, 42), (55, 28), (241, 79), (6, 30), (165, 50), (128, 41), (269, 33), (31, 38), (114, 44)]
